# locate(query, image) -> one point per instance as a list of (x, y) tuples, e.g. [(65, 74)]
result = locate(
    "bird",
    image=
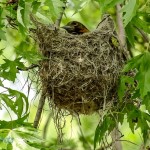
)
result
[(75, 27)]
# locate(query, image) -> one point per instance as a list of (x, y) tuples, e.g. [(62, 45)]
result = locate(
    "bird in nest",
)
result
[(75, 27)]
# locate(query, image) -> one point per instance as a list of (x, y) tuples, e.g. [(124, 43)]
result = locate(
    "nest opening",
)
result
[(80, 72)]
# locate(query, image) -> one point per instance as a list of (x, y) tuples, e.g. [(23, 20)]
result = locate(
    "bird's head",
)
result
[(75, 27)]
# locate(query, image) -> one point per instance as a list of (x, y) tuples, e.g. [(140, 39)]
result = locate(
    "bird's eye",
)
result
[(75, 23)]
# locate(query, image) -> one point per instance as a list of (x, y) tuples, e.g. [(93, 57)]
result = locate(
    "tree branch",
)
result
[(40, 108), (121, 31), (58, 21), (115, 134)]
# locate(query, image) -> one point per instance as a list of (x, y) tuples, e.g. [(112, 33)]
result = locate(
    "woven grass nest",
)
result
[(80, 72)]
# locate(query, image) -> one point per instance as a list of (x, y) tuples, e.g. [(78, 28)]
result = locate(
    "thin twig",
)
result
[(58, 21), (40, 108), (145, 37), (28, 68), (129, 142)]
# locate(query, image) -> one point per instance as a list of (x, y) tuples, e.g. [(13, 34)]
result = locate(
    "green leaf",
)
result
[(2, 35), (1, 83), (146, 101), (13, 124), (8, 70), (145, 7), (136, 94), (1, 51), (9, 146), (121, 116), (21, 101), (142, 64), (16, 101), (130, 33), (96, 137), (35, 6), (28, 52), (141, 23), (130, 11), (22, 30), (54, 8), (143, 76), (122, 86), (146, 117), (26, 17), (49, 10), (143, 82), (29, 136), (107, 125), (8, 102), (23, 16), (132, 114), (111, 3), (20, 15), (3, 138), (1, 18), (143, 120), (105, 5), (133, 63), (51, 6), (79, 5)]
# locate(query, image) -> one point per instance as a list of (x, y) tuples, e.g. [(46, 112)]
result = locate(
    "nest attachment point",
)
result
[(80, 72)]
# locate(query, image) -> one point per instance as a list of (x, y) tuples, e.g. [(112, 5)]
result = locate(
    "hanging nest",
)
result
[(80, 72)]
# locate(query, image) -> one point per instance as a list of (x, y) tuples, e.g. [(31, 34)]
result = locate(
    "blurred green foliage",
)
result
[(17, 48)]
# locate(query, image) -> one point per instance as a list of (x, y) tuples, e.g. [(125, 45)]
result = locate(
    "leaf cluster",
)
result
[(139, 87), (135, 81)]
